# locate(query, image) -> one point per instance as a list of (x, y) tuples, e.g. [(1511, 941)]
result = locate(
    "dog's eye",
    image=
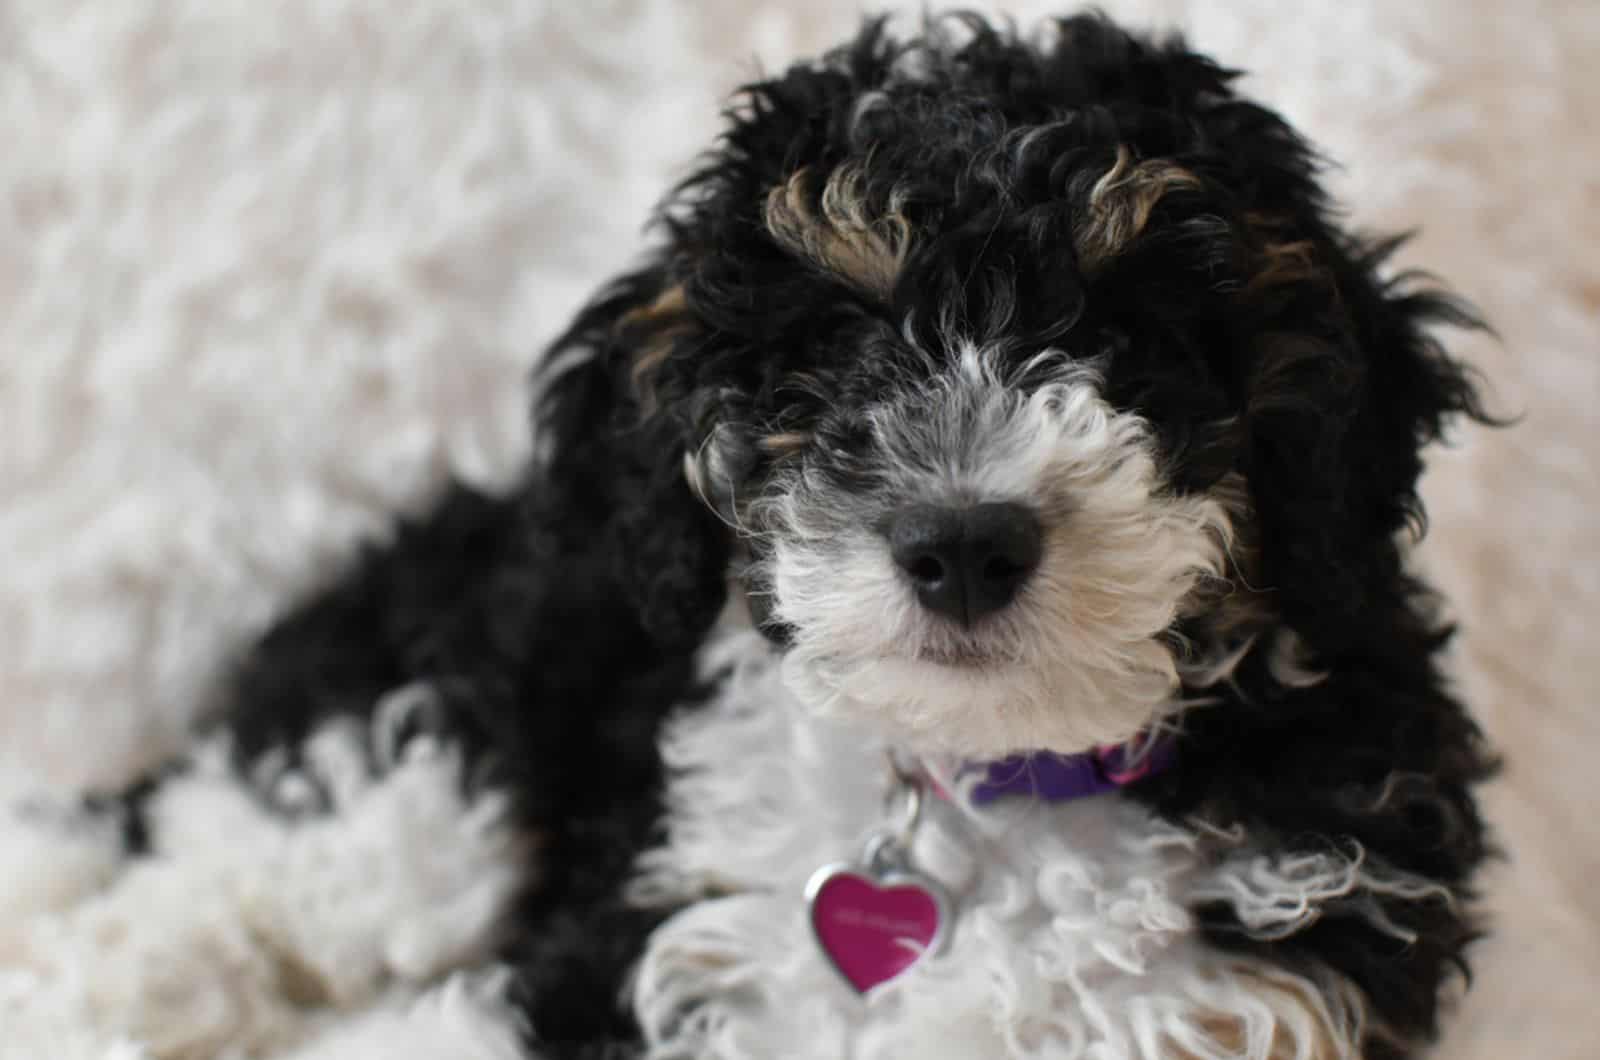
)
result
[(847, 435)]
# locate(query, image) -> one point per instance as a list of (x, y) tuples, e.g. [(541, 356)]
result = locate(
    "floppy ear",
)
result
[(1346, 385), (610, 460), (1338, 373)]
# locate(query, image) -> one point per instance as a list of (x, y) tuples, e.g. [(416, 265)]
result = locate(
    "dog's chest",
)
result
[(1069, 921)]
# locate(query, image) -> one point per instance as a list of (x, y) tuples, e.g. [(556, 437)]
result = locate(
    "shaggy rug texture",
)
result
[(271, 272)]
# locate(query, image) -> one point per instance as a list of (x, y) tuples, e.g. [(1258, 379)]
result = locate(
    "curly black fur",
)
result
[(1260, 338)]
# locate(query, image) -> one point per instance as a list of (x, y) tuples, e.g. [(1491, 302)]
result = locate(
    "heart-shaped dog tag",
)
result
[(876, 923)]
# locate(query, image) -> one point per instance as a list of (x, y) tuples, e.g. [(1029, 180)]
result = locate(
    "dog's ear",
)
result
[(610, 457), (1346, 382), (1334, 362)]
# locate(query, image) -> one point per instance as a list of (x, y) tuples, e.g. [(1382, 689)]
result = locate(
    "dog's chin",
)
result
[(964, 657), (974, 704)]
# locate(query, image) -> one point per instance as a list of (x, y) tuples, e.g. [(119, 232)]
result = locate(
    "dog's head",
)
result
[(1024, 387)]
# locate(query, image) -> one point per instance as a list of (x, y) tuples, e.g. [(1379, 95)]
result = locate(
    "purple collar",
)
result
[(1059, 778)]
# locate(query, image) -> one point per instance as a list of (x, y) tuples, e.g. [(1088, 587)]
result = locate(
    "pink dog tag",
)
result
[(876, 923)]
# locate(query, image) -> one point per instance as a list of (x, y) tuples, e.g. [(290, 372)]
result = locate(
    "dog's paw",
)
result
[(330, 770), (359, 865)]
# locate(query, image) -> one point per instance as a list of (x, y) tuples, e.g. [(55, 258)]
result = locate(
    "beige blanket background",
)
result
[(270, 272)]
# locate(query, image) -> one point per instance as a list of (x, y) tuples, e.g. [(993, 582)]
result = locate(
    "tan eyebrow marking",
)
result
[(839, 233)]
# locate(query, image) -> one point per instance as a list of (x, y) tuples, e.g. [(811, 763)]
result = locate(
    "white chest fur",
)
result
[(1072, 935)]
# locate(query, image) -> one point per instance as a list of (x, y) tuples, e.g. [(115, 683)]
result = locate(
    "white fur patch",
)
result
[(36, 1023), (465, 1018), (246, 927), (1080, 657), (50, 858), (1073, 936)]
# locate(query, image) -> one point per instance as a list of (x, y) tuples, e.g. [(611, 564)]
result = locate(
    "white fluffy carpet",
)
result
[(270, 271)]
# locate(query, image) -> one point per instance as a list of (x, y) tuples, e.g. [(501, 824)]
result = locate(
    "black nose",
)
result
[(965, 562)]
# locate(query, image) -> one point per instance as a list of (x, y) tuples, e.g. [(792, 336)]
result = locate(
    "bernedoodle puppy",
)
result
[(958, 608)]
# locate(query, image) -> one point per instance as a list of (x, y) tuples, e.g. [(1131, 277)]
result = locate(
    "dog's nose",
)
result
[(965, 562)]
